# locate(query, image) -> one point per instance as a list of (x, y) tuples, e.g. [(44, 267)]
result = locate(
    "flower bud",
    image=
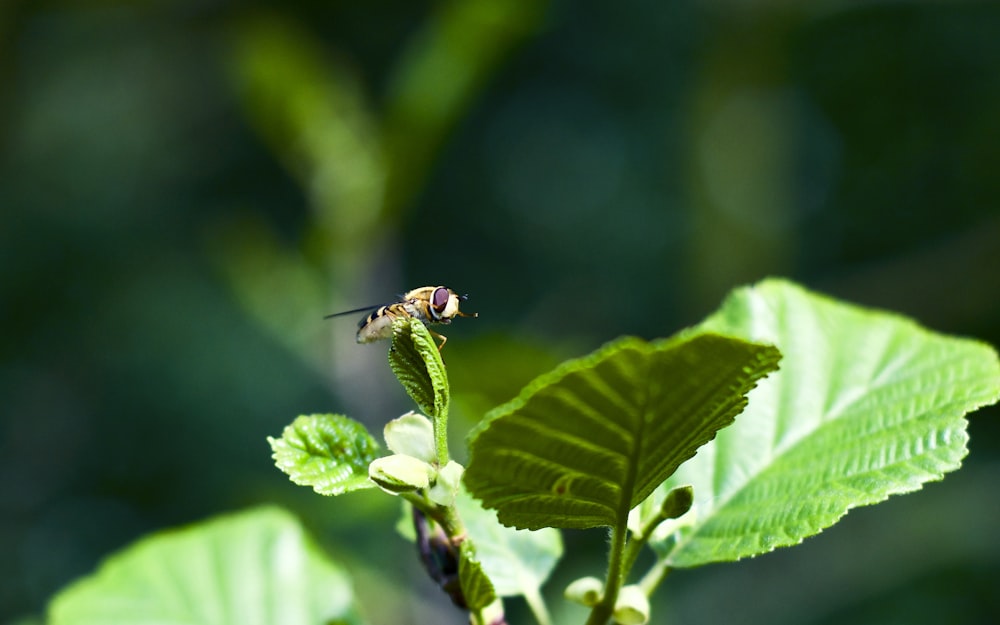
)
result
[(677, 502), (445, 488), (632, 606), (400, 474), (586, 591), (412, 435)]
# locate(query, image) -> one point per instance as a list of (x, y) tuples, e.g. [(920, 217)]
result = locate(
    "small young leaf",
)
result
[(329, 452), (416, 362), (868, 404), (243, 569), (587, 442), (476, 587), (411, 434)]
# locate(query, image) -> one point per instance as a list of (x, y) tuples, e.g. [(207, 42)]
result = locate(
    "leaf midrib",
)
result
[(634, 459)]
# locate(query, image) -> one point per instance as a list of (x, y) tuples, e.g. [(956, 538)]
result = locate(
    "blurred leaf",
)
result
[(329, 452), (476, 587), (311, 111), (868, 404), (439, 74), (517, 561), (416, 361), (255, 567), (584, 444), (274, 283)]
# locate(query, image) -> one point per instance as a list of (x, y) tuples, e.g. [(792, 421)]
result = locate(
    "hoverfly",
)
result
[(430, 304)]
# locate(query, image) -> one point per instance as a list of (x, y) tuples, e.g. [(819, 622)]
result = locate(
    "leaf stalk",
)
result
[(655, 576), (602, 612)]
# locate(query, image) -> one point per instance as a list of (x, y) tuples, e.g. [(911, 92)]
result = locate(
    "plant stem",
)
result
[(639, 539), (632, 550), (601, 613), (537, 605), (656, 574), (445, 516), (452, 524), (441, 437)]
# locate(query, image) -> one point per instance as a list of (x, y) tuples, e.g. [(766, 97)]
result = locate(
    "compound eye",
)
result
[(439, 300)]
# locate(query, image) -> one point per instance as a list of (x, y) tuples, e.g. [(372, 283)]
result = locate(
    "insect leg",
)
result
[(444, 339)]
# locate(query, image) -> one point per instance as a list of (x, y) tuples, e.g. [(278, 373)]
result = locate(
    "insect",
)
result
[(430, 304)]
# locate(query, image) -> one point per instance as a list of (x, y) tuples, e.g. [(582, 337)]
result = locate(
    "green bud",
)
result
[(586, 591), (632, 606), (412, 435), (400, 474), (677, 502)]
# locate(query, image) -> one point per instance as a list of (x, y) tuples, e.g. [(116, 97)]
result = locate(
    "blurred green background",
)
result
[(187, 187)]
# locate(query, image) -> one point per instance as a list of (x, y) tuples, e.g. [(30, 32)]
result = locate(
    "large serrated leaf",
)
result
[(868, 404), (416, 362), (329, 452), (588, 441), (253, 568)]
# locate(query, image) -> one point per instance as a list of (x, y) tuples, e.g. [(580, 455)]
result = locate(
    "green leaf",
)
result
[(517, 561), (329, 452), (416, 362), (868, 404), (476, 587), (439, 76), (587, 442), (252, 568)]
